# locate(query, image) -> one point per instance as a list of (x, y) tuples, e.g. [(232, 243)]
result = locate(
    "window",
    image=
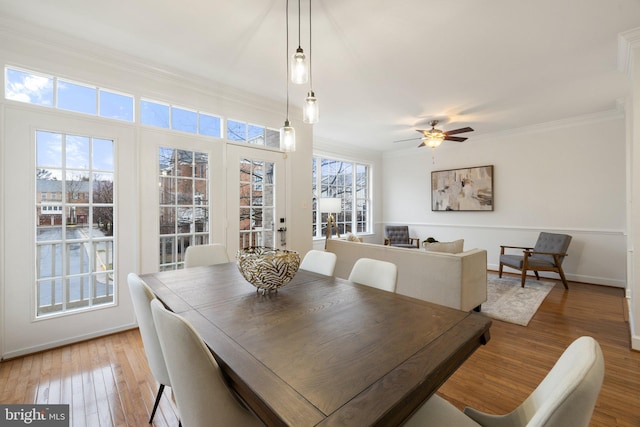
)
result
[(252, 134), (28, 87), (74, 236), (160, 114), (184, 204), (49, 91), (210, 125), (348, 181), (257, 203)]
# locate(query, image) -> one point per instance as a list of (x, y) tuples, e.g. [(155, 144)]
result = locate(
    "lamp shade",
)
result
[(434, 141), (330, 205)]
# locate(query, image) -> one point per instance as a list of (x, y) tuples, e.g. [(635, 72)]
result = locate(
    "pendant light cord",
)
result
[(286, 55), (299, 38), (310, 55)]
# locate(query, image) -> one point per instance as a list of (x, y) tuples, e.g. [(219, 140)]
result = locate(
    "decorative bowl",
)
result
[(267, 268)]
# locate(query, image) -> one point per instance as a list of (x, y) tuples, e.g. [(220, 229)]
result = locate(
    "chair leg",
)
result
[(155, 405), (524, 276), (564, 279), (537, 275), (500, 270)]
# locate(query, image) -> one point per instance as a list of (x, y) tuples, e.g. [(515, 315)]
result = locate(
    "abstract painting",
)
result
[(468, 189)]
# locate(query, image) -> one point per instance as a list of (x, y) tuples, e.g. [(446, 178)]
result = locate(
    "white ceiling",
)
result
[(381, 69)]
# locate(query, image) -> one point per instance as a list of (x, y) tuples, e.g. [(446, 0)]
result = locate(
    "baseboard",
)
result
[(67, 341), (592, 280)]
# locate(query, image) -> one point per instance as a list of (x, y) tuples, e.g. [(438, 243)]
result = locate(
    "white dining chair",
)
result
[(199, 255), (320, 262), (141, 295), (372, 272), (565, 397), (201, 393)]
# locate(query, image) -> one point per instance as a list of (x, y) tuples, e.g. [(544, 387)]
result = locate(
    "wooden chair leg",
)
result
[(537, 275), (564, 279), (524, 276), (500, 270)]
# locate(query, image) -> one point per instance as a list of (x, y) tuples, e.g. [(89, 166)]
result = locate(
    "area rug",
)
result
[(508, 301)]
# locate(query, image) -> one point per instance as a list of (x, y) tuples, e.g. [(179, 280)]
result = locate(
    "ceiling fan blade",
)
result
[(455, 138), (404, 140), (461, 130), (422, 145)]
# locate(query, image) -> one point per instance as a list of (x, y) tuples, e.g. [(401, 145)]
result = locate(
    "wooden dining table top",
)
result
[(322, 351)]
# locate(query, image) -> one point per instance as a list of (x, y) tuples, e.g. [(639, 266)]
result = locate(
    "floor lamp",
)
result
[(330, 205)]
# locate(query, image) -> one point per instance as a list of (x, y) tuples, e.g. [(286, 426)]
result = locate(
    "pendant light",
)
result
[(287, 132), (311, 113), (299, 70)]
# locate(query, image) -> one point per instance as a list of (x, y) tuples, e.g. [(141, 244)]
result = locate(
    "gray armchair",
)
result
[(547, 255), (398, 235)]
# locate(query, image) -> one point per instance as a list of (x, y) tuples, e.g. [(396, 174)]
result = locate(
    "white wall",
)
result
[(54, 54), (566, 177), (629, 58)]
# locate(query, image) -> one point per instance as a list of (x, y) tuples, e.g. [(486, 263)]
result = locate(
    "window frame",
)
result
[(319, 222)]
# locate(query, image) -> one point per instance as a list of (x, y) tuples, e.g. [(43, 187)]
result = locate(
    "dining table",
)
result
[(322, 351)]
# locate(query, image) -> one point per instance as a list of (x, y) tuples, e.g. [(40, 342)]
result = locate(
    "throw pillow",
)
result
[(454, 247), (353, 238)]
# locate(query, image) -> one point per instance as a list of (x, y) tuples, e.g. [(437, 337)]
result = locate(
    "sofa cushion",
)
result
[(454, 247)]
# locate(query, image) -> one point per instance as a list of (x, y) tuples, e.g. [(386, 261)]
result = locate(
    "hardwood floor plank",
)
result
[(107, 381), (500, 375)]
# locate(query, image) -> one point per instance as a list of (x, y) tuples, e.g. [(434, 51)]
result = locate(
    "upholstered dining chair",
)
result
[(375, 273), (141, 295), (398, 235), (199, 255), (565, 397), (201, 393), (320, 262), (547, 255)]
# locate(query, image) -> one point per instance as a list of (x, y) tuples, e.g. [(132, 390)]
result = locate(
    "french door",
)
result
[(255, 198)]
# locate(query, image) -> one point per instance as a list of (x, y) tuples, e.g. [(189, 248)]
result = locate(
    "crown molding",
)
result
[(617, 113), (627, 41), (60, 43)]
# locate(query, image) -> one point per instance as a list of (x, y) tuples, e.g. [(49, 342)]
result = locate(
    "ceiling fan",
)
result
[(433, 137)]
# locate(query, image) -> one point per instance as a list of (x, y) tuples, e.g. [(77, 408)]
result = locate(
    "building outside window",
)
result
[(184, 204), (74, 227)]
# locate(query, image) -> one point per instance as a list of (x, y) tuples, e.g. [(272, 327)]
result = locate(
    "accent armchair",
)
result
[(547, 255), (398, 235)]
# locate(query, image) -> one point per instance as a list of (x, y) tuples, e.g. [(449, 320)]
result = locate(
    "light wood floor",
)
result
[(107, 382)]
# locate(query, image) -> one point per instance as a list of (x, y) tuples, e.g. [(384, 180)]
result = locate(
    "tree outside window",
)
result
[(348, 181)]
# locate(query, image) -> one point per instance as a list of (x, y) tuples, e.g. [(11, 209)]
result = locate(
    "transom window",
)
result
[(184, 204), (159, 114), (50, 91), (348, 181), (252, 134), (75, 224)]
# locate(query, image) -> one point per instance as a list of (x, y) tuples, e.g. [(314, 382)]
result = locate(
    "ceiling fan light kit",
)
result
[(433, 137)]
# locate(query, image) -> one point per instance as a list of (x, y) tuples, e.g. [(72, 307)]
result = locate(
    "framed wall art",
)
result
[(467, 189)]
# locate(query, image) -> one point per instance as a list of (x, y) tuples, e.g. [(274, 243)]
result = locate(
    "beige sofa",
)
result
[(453, 280)]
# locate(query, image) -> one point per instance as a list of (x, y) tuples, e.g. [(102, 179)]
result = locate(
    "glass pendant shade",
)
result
[(434, 141), (287, 137), (299, 69), (311, 113)]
